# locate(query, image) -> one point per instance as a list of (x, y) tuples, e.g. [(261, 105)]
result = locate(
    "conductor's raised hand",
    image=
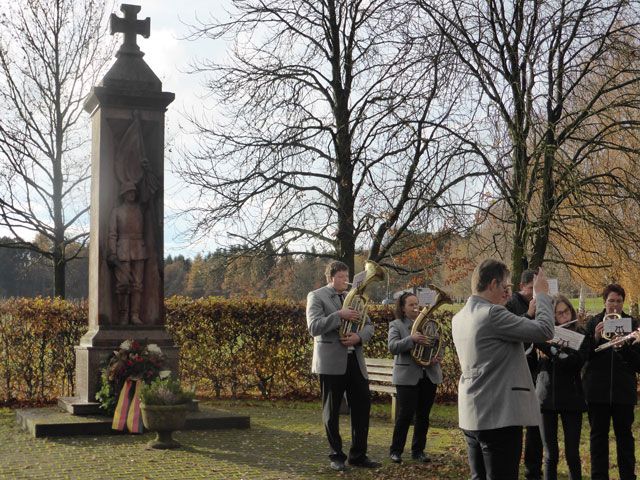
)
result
[(540, 283)]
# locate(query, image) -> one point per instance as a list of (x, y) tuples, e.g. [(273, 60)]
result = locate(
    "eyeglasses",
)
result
[(563, 312)]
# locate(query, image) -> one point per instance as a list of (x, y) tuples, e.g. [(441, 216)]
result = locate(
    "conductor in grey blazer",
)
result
[(341, 367), (496, 396)]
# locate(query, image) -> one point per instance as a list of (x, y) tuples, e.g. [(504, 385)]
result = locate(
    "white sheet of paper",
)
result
[(426, 296), (358, 279), (567, 338), (618, 326), (553, 286)]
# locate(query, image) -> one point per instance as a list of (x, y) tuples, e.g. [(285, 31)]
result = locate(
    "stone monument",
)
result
[(126, 289)]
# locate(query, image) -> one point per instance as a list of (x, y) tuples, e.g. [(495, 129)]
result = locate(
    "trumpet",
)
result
[(618, 341), (610, 335)]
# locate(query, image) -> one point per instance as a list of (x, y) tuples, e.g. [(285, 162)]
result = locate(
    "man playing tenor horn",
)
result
[(340, 364)]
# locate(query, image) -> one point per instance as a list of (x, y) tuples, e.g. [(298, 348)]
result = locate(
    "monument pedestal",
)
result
[(96, 348)]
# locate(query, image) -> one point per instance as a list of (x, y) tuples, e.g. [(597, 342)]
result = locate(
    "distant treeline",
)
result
[(234, 272), (222, 273)]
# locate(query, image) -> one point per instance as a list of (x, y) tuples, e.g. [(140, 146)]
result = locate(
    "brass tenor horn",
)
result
[(424, 355), (357, 298)]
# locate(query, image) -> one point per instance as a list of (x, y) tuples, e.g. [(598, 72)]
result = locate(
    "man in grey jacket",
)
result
[(340, 364), (496, 396)]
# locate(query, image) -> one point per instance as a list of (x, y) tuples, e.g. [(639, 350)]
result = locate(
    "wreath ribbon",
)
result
[(127, 415)]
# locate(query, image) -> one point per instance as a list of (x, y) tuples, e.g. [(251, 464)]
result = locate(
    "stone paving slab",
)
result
[(54, 422), (284, 442)]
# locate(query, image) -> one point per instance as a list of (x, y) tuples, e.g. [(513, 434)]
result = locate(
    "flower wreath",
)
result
[(134, 360)]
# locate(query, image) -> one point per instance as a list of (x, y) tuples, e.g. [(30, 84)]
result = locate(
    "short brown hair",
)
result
[(613, 287), (487, 271), (333, 268), (527, 276)]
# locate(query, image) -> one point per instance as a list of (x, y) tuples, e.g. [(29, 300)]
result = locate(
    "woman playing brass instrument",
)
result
[(415, 385), (559, 390)]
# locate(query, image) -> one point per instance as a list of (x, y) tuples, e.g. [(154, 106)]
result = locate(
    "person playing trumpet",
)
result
[(559, 390), (609, 381), (415, 385)]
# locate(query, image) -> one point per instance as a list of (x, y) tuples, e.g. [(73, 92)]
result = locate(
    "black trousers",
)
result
[(413, 400), (600, 417), (357, 388), (494, 454), (572, 427), (532, 454)]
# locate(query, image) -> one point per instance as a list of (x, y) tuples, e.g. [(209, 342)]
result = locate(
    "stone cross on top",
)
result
[(131, 27)]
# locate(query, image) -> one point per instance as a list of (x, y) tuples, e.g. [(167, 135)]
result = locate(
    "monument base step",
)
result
[(55, 422), (75, 406)]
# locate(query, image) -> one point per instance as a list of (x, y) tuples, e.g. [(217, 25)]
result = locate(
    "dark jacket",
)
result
[(609, 376), (558, 386), (519, 305)]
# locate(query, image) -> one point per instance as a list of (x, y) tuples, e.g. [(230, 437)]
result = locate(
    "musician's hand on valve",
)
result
[(349, 314), (350, 339), (598, 331), (419, 338)]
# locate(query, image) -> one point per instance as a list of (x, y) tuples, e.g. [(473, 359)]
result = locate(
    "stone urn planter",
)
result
[(164, 420), (164, 406)]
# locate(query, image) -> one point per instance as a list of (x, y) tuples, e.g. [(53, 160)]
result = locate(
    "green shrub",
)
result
[(228, 348), (164, 391)]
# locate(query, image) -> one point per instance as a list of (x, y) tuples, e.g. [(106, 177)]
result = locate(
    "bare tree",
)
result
[(555, 86), (51, 52), (328, 129)]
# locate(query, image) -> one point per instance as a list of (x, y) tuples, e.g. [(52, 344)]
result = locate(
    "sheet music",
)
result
[(358, 279), (426, 296), (564, 337), (617, 326)]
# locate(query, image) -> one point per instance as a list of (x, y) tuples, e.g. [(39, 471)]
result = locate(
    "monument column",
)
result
[(126, 250)]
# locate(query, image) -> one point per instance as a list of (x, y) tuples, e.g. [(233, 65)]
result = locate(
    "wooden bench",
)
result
[(380, 372)]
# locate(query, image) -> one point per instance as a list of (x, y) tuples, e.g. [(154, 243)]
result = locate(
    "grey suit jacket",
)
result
[(323, 323), (495, 388), (405, 370)]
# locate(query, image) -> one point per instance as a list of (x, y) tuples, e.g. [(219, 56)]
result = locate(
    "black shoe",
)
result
[(421, 457), (395, 458), (338, 465), (366, 463)]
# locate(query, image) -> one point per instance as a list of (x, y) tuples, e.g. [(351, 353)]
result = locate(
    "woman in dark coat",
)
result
[(559, 390)]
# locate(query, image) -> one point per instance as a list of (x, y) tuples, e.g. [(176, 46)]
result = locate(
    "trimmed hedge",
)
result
[(228, 347)]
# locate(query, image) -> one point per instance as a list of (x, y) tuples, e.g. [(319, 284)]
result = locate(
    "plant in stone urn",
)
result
[(164, 406)]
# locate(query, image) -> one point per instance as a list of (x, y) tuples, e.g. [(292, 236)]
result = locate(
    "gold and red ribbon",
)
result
[(127, 415)]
